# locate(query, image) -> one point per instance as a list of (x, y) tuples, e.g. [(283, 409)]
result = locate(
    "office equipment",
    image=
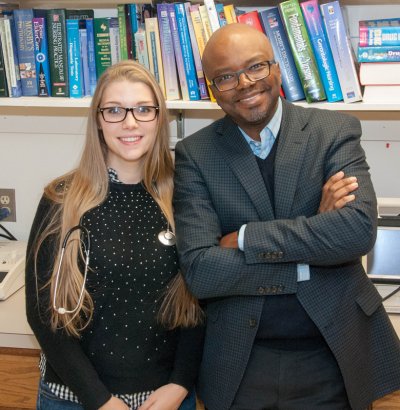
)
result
[(12, 267)]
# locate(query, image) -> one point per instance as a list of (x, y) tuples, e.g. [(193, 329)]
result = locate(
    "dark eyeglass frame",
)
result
[(129, 109), (245, 71)]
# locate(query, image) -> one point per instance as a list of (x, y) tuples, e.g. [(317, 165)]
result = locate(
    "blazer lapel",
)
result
[(239, 157), (290, 156)]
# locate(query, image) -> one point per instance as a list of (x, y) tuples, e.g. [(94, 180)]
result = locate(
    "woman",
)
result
[(100, 256)]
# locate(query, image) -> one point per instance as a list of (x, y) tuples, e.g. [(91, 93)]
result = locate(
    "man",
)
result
[(293, 322)]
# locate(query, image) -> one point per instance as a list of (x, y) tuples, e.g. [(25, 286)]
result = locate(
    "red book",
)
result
[(250, 18)]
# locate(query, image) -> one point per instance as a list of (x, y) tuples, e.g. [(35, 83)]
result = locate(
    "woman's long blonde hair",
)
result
[(84, 188)]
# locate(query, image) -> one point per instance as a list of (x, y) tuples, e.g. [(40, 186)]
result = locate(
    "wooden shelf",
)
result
[(30, 102)]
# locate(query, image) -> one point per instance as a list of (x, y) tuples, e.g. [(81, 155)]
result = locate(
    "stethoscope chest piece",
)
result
[(167, 238)]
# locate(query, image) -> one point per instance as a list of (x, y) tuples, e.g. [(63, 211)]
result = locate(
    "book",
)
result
[(141, 48), (381, 32), (196, 54), (74, 59), (114, 40), (251, 18), (302, 51), (212, 15), (273, 27), (3, 77), (168, 54), (134, 27), (187, 53), (322, 51), (342, 52), (205, 20), (130, 43), (84, 55), (57, 42), (102, 44), (230, 13), (178, 52), (41, 56), (154, 50), (382, 94), (221, 14), (382, 54), (25, 49), (7, 34), (122, 31), (380, 73), (91, 55)]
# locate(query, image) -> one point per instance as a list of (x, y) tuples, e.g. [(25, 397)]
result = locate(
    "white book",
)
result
[(380, 73), (212, 15), (382, 94)]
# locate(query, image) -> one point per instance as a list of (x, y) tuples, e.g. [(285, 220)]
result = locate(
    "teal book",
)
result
[(74, 59), (302, 51), (41, 57)]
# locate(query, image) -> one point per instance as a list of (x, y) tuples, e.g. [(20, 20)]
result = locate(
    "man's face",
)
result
[(251, 104)]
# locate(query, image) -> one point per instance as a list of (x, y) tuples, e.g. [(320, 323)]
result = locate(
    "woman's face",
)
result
[(129, 140)]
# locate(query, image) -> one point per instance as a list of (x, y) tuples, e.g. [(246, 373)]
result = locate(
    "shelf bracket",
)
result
[(180, 125)]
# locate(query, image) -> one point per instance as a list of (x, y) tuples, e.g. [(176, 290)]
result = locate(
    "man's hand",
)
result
[(168, 397), (336, 192), (230, 240), (114, 404)]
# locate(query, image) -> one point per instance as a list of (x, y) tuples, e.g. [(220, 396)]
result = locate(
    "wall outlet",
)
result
[(7, 205)]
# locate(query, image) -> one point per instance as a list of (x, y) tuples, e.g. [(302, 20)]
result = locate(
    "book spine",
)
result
[(83, 43), (379, 36), (384, 54), (302, 51), (26, 54), (341, 51), (6, 57), (91, 55), (141, 48), (275, 31), (187, 53), (251, 19), (41, 56), (128, 28), (114, 40), (10, 39), (221, 14), (3, 76), (102, 44), (122, 31), (212, 14), (230, 14), (205, 20), (74, 59), (134, 28), (168, 55), (196, 55), (154, 48), (57, 37), (178, 52), (322, 51)]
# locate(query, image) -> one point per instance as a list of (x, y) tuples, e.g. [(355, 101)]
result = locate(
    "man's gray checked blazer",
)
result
[(218, 187)]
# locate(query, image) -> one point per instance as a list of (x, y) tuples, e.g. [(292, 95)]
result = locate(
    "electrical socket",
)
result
[(7, 200)]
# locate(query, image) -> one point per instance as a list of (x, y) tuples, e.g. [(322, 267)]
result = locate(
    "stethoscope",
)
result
[(166, 237)]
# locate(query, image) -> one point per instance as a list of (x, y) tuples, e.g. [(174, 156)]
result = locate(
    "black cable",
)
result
[(9, 235), (391, 294)]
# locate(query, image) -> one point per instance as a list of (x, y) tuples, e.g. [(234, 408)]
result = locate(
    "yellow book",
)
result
[(154, 50), (230, 14), (205, 21)]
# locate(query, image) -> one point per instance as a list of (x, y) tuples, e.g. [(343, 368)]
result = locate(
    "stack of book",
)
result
[(62, 52), (379, 57)]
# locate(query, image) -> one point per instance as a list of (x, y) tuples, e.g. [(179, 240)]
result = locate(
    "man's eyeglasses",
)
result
[(255, 72), (141, 113)]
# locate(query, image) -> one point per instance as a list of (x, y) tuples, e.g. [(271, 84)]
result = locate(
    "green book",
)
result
[(122, 31), (57, 43), (302, 52), (102, 44)]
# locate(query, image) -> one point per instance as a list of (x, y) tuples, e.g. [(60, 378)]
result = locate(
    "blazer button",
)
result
[(281, 288), (274, 255), (261, 290), (280, 255), (274, 289), (252, 323)]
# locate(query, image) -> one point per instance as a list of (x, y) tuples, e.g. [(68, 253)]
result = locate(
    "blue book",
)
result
[(322, 51), (274, 29), (187, 54), (384, 54), (91, 56), (26, 53), (133, 19), (41, 56), (380, 32), (10, 42), (219, 7), (74, 59), (84, 57), (342, 51)]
